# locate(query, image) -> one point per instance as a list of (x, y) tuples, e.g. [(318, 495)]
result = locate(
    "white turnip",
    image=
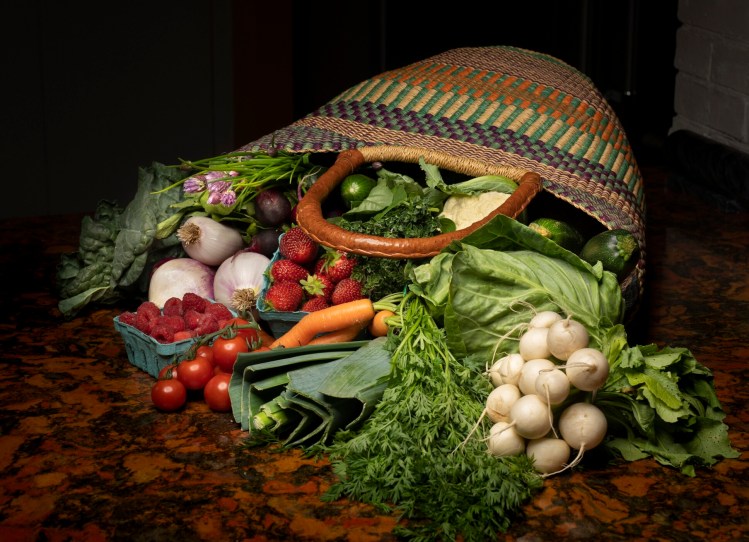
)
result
[(533, 343), (583, 426), (529, 373), (544, 319), (500, 401), (510, 367), (549, 454), (587, 369), (529, 417), (566, 336), (552, 386), (504, 440)]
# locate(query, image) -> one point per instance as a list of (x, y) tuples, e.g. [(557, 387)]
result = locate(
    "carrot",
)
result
[(333, 318), (339, 336), (265, 337), (378, 326)]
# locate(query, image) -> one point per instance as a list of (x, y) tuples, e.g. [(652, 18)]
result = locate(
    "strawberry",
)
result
[(315, 304), (297, 246), (285, 269), (284, 296), (339, 265), (318, 285), (346, 290)]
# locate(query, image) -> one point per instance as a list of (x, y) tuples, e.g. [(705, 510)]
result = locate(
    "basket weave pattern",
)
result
[(499, 105)]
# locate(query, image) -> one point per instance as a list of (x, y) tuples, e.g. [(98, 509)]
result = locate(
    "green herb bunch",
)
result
[(224, 187), (412, 453)]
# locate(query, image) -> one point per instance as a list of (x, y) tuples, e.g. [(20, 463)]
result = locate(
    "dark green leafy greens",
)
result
[(118, 247), (411, 455)]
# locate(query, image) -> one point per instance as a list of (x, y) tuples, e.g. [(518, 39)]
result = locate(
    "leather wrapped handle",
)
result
[(310, 218)]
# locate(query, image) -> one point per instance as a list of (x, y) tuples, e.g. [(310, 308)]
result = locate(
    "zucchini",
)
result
[(562, 233), (617, 250)]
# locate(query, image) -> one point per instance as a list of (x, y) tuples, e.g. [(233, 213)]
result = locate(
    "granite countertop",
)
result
[(84, 455)]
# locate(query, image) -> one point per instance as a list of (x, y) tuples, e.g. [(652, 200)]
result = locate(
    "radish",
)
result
[(549, 454), (566, 336), (544, 319), (500, 401), (510, 367), (583, 426), (504, 440), (587, 369), (533, 343), (529, 417), (530, 371)]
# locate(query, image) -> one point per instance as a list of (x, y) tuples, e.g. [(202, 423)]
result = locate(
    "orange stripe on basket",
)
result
[(509, 81)]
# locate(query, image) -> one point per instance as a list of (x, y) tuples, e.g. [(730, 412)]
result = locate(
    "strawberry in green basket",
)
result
[(284, 296), (298, 247)]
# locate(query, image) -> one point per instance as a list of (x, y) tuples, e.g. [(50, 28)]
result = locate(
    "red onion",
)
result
[(176, 277)]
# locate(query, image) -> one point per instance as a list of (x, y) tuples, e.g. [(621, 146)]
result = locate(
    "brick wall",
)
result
[(712, 83)]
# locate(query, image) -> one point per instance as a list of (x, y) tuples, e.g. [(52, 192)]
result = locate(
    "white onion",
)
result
[(209, 241), (239, 279), (176, 277)]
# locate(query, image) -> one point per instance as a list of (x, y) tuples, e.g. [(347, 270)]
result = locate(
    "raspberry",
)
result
[(219, 311), (194, 302), (207, 324), (175, 323), (149, 308), (192, 318), (162, 333), (172, 307), (128, 318), (144, 322)]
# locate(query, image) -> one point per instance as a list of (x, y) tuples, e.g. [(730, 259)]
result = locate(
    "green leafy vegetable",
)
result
[(409, 453), (664, 404), (118, 247)]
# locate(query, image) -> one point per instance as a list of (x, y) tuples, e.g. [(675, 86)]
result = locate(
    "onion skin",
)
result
[(239, 279), (176, 277), (209, 241)]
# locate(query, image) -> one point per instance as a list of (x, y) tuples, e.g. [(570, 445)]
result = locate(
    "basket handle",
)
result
[(309, 210)]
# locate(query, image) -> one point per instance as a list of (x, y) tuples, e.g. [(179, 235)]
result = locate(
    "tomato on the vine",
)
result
[(169, 371), (168, 395), (195, 373), (216, 393), (205, 351), (250, 333), (226, 350)]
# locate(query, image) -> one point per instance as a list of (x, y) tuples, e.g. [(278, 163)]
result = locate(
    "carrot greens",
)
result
[(408, 454)]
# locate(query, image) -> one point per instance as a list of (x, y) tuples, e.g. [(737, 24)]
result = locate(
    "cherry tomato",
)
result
[(249, 333), (195, 373), (216, 393), (225, 351), (205, 351), (163, 372), (168, 395)]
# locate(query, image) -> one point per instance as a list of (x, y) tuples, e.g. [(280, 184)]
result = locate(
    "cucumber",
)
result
[(617, 250), (562, 233)]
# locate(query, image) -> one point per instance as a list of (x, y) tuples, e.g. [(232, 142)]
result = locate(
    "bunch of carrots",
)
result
[(340, 323)]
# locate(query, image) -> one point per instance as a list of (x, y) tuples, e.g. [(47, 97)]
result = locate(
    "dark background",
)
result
[(90, 96)]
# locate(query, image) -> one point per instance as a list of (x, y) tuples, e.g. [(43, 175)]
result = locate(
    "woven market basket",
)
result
[(504, 107)]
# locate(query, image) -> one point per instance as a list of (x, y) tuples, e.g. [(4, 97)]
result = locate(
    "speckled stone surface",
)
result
[(84, 456)]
